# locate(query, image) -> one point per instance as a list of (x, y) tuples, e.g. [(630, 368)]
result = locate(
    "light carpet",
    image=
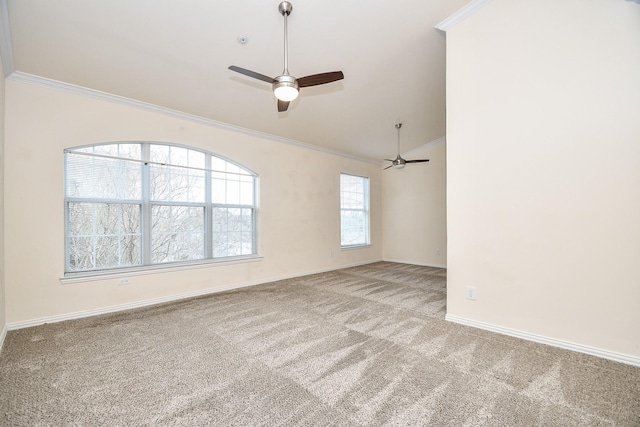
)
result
[(360, 346)]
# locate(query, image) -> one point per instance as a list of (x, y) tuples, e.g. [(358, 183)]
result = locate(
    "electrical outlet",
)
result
[(123, 281), (438, 252), (471, 293)]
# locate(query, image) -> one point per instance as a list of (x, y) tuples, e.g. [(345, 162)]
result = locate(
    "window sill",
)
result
[(154, 269), (351, 247)]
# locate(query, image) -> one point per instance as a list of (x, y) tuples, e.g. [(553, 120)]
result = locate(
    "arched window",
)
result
[(136, 204)]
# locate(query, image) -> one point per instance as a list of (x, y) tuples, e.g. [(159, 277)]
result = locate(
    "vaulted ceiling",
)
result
[(176, 54)]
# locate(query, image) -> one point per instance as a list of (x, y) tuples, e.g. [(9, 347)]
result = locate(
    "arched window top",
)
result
[(139, 204), (165, 154)]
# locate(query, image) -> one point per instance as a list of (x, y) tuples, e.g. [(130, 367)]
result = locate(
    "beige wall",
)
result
[(299, 218), (543, 174), (414, 225), (3, 321)]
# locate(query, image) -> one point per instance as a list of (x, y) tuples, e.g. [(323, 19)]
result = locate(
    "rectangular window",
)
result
[(103, 235), (177, 233), (354, 210)]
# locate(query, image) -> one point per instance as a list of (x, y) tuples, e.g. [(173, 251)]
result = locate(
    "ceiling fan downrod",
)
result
[(398, 162), (285, 9), (285, 86)]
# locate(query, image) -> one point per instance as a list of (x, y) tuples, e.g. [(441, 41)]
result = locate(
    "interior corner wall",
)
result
[(3, 320), (414, 223), (543, 170), (299, 206)]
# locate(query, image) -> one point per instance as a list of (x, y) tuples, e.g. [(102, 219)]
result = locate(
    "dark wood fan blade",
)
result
[(387, 167), (320, 79), (389, 160), (251, 74), (282, 106), (417, 161)]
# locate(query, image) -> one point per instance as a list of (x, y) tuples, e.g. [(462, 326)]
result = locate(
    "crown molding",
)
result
[(423, 146), (21, 77), (6, 46), (461, 14)]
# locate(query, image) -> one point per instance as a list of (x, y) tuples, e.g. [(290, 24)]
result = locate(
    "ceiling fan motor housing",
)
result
[(399, 162), (285, 87)]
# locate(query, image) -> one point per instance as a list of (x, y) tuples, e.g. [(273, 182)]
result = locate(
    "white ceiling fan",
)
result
[(286, 86), (399, 162)]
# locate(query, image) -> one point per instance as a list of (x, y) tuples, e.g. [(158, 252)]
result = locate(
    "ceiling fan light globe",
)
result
[(285, 87), (399, 166), (286, 93)]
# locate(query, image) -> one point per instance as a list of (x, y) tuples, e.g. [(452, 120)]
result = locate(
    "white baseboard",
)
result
[(593, 351), (160, 300), (3, 335), (422, 264)]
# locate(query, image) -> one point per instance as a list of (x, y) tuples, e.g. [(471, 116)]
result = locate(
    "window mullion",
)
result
[(146, 206), (367, 212), (254, 221), (208, 209), (67, 245)]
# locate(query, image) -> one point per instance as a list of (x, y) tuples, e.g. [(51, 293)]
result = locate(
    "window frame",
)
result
[(146, 205), (366, 210)]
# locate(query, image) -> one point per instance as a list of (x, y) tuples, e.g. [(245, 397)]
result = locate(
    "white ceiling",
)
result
[(175, 54)]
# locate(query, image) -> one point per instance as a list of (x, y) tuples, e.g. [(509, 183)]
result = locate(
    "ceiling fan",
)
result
[(286, 86), (399, 162)]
